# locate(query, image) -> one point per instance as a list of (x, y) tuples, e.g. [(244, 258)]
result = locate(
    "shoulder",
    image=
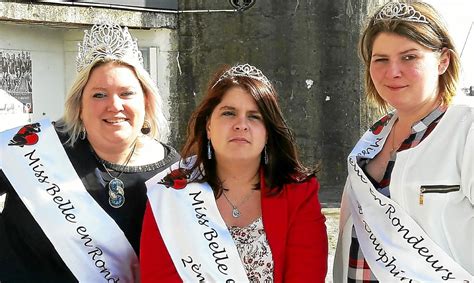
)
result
[(310, 183), (171, 156), (301, 191), (294, 198), (308, 186), (4, 186), (463, 103), (151, 152), (171, 152), (63, 136), (461, 109)]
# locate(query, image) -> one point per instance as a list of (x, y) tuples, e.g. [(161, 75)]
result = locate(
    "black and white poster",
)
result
[(15, 76)]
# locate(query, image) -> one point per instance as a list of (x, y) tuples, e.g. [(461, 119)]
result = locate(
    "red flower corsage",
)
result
[(176, 179), (26, 135)]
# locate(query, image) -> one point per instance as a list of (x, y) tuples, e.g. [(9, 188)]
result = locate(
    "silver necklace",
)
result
[(116, 186), (395, 148), (235, 210)]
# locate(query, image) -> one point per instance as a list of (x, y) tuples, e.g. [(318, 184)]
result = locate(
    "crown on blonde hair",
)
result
[(107, 40)]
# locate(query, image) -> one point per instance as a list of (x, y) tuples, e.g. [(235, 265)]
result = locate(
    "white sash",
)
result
[(88, 240), (194, 232), (394, 245)]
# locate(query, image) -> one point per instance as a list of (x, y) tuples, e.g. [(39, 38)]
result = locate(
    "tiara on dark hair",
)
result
[(244, 70)]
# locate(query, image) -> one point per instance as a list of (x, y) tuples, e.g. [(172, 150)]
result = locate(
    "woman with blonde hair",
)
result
[(76, 191)]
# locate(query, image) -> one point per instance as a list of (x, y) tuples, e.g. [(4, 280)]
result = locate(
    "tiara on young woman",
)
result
[(108, 41), (244, 70), (400, 11)]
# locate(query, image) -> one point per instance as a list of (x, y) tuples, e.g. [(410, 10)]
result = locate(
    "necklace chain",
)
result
[(235, 210), (394, 148), (393, 138), (122, 169), (116, 186)]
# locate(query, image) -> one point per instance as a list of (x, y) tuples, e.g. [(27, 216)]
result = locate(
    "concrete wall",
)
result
[(51, 34), (307, 48)]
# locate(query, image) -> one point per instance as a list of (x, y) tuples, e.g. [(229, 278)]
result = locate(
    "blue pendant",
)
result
[(116, 193)]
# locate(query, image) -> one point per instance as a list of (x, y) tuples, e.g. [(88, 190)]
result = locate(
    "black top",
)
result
[(26, 254)]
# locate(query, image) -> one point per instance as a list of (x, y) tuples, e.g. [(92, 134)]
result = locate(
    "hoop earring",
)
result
[(83, 134), (265, 155), (209, 151), (146, 128)]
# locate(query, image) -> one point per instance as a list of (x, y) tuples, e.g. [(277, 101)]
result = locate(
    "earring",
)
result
[(209, 152), (265, 155), (83, 134), (146, 128)]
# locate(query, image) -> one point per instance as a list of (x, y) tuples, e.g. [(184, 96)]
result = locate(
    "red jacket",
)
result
[(294, 226)]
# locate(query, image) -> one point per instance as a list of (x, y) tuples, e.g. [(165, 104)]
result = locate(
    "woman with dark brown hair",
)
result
[(248, 209)]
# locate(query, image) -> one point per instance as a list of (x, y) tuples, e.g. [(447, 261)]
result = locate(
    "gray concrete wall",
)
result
[(32, 12), (306, 48)]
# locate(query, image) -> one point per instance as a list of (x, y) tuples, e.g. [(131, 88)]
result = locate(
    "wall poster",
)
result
[(16, 79)]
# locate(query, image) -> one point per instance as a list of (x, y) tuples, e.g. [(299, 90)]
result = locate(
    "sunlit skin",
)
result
[(238, 135), (236, 128), (406, 73), (406, 76), (112, 110)]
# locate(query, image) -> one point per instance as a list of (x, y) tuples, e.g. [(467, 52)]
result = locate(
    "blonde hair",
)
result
[(433, 35), (71, 123)]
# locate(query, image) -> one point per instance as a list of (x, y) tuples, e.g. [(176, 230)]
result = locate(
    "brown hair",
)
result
[(283, 165), (433, 35)]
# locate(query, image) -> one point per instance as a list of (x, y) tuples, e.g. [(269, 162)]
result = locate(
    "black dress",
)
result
[(26, 254)]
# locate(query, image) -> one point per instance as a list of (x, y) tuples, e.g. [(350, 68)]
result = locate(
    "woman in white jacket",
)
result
[(407, 212)]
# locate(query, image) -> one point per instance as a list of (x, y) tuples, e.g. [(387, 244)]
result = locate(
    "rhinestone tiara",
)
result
[(244, 70), (400, 11), (107, 40)]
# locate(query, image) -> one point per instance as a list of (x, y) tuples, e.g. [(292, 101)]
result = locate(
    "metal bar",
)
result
[(467, 37), (207, 11), (100, 5)]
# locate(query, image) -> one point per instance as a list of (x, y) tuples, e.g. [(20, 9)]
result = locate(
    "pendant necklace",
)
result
[(235, 210), (116, 186)]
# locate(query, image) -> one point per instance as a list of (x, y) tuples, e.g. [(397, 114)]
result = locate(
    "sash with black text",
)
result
[(192, 228), (88, 240), (394, 245)]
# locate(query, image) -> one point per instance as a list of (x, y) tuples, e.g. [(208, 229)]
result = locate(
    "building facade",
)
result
[(38, 46), (308, 49)]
